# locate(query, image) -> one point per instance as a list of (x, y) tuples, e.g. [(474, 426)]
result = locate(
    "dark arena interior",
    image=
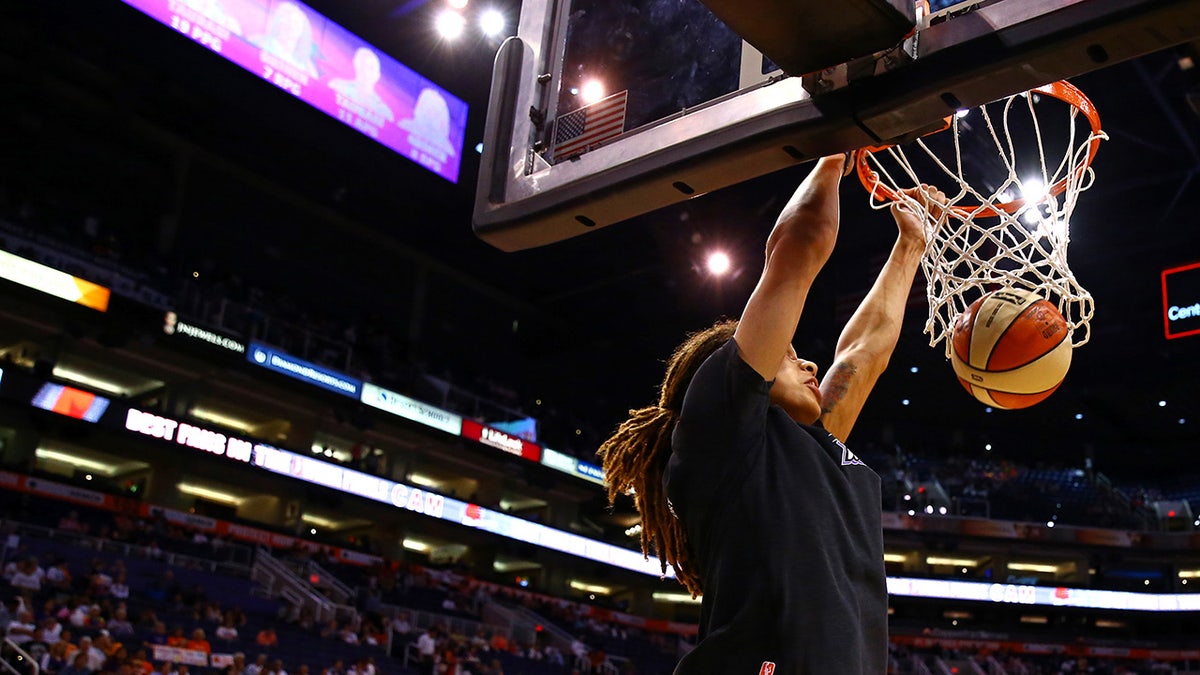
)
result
[(319, 418)]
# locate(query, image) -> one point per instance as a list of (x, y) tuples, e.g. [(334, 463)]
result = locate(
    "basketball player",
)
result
[(741, 475)]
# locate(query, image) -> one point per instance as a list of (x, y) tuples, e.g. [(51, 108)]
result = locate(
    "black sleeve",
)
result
[(724, 410)]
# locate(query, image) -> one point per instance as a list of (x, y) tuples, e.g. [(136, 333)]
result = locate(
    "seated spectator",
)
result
[(199, 642), (119, 589), (56, 658), (166, 668), (349, 636), (120, 627), (338, 668), (239, 664), (21, 629), (158, 634), (28, 577), (70, 522), (95, 657), (499, 642), (51, 629), (267, 637), (105, 643), (58, 577), (276, 668), (331, 629), (259, 665), (78, 665), (177, 638), (227, 631), (141, 664)]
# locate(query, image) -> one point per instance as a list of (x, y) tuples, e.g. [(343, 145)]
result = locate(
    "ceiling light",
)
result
[(76, 461), (450, 24), (591, 91), (1032, 567), (590, 588), (1031, 618), (457, 4), (953, 562), (894, 557), (1033, 190), (416, 545), (88, 381), (222, 419), (423, 480), (209, 494), (492, 23), (1162, 404), (680, 598), (718, 263), (1189, 574), (319, 521)]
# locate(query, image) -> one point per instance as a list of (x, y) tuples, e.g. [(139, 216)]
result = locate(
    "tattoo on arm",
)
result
[(836, 383)]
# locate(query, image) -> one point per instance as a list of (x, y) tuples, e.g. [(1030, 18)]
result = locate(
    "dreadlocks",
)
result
[(636, 455)]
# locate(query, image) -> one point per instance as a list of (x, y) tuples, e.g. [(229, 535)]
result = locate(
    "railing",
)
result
[(424, 620), (281, 581), (234, 567), (23, 657), (994, 667), (334, 588), (559, 637), (516, 626)]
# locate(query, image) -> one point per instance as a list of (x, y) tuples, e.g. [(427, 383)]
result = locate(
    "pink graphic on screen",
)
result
[(300, 51)]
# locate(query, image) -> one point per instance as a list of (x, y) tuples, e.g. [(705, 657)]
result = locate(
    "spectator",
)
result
[(166, 668), (28, 577), (51, 629), (78, 666), (238, 667), (120, 627), (70, 522), (259, 665), (227, 631), (199, 642), (276, 668), (95, 657), (141, 664), (427, 650), (21, 629), (177, 638), (56, 658), (119, 588), (338, 668), (158, 634), (267, 638)]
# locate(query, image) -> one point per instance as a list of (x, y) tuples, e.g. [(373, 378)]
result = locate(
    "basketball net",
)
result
[(1006, 223)]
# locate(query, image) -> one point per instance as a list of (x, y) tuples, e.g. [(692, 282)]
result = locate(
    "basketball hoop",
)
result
[(1006, 223)]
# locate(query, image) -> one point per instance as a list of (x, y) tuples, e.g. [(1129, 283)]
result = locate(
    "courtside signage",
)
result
[(50, 281), (399, 495), (1181, 301), (411, 409), (271, 358)]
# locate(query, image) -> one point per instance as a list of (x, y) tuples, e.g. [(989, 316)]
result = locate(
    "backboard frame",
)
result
[(963, 61)]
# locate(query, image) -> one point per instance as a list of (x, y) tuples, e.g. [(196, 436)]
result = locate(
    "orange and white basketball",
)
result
[(1011, 348)]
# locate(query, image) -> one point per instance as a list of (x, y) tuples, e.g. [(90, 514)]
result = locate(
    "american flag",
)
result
[(577, 131)]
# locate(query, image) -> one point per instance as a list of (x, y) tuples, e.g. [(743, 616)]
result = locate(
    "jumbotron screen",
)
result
[(300, 51)]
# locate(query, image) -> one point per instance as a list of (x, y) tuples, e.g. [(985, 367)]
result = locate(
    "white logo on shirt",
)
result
[(768, 668), (848, 458)]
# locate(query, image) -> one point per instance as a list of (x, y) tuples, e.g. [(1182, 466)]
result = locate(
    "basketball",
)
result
[(1012, 349)]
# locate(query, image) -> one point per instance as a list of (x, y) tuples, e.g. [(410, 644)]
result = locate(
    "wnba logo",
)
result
[(768, 668)]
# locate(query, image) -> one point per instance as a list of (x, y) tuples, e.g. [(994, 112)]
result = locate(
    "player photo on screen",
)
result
[(314, 59)]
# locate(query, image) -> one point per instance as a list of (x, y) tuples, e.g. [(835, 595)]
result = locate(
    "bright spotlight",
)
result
[(457, 4), (1033, 190), (492, 22), (450, 24), (592, 91), (718, 263)]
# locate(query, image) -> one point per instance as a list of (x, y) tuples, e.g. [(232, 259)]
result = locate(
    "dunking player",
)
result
[(740, 473)]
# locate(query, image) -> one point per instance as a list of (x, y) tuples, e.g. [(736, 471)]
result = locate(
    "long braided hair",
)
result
[(636, 455)]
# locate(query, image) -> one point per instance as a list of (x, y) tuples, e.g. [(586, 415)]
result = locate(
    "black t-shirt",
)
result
[(783, 522)]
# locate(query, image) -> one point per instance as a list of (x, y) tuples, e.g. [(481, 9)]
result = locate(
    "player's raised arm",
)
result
[(867, 341), (797, 249)]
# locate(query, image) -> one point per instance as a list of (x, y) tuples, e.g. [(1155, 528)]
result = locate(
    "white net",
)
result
[(1007, 221)]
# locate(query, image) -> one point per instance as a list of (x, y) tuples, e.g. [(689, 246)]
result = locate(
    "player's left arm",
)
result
[(867, 341)]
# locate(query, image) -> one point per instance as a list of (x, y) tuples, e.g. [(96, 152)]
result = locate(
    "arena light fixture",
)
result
[(222, 419), (450, 24), (416, 545), (590, 588), (89, 381), (209, 494), (894, 557), (952, 562), (1189, 574), (592, 91), (1034, 618), (1031, 567), (677, 598), (492, 22), (718, 263), (76, 461)]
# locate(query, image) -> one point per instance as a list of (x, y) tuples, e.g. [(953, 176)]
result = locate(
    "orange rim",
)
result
[(1063, 91)]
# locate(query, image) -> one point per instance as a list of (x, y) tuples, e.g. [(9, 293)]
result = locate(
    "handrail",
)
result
[(126, 549), (280, 580), (21, 654), (338, 589)]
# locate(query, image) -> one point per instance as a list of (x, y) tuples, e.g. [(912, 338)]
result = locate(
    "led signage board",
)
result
[(1181, 301), (49, 280), (269, 357)]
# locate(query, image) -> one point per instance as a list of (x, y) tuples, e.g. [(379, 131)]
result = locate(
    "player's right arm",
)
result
[(797, 249)]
